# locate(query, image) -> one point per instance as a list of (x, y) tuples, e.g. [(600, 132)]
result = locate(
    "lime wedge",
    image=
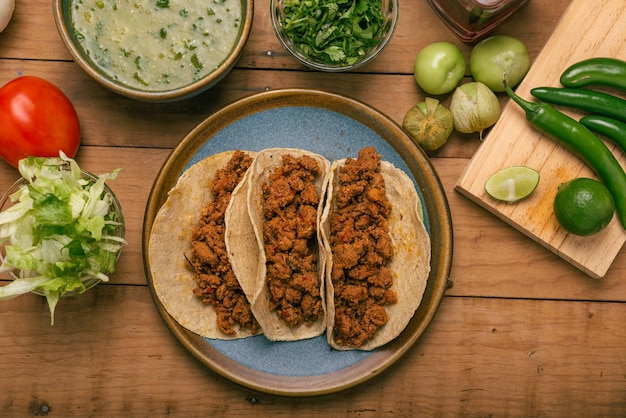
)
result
[(512, 183)]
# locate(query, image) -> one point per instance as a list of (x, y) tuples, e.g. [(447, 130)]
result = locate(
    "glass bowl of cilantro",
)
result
[(334, 35), (61, 230)]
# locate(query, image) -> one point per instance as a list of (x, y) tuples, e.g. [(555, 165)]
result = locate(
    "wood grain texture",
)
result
[(521, 332), (582, 32), (108, 356)]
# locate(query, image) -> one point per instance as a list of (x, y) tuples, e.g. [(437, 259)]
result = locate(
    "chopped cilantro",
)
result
[(196, 62), (333, 31), (162, 4), (141, 80), (99, 28)]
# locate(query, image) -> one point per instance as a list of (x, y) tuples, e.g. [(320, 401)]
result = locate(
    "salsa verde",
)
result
[(157, 45)]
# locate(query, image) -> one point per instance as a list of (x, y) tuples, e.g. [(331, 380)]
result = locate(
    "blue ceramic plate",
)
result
[(336, 127)]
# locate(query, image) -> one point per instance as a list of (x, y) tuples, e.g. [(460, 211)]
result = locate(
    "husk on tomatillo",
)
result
[(474, 108), (429, 123)]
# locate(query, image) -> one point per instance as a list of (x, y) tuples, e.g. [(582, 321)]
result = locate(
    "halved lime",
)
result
[(512, 183)]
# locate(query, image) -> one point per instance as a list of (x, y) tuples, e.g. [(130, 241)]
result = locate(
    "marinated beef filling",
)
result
[(361, 248), (216, 282), (290, 240)]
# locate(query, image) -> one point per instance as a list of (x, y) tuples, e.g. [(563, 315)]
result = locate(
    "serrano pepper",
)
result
[(588, 100), (580, 140), (599, 70), (611, 128)]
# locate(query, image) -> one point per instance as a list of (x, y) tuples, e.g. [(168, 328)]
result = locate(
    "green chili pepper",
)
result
[(611, 128), (580, 140), (583, 99), (599, 70)]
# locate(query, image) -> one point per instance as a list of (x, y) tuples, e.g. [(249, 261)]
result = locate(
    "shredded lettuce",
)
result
[(60, 232)]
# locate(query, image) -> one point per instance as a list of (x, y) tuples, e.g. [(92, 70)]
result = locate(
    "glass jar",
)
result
[(471, 19), (88, 280)]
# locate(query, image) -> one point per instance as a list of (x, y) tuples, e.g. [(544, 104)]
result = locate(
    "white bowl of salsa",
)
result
[(155, 50)]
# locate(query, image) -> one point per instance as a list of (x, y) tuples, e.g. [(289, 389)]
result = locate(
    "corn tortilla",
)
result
[(410, 265), (173, 278), (245, 244)]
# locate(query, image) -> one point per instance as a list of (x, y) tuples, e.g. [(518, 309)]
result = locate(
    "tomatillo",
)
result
[(439, 68), (493, 57), (429, 123)]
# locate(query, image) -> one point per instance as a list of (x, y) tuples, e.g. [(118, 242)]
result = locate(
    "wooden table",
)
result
[(520, 332)]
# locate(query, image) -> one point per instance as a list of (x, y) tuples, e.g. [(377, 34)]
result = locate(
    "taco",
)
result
[(379, 252), (191, 273), (277, 256)]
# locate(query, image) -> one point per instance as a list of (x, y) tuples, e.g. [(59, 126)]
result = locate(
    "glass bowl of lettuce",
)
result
[(61, 230), (334, 35)]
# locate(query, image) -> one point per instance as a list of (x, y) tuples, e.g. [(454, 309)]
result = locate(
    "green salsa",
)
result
[(157, 45)]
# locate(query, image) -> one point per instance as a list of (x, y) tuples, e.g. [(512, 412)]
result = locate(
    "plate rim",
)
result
[(436, 206)]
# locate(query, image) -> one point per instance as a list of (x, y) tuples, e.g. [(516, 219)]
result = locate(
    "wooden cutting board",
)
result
[(588, 28)]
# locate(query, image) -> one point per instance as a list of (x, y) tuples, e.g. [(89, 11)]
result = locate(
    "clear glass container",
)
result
[(389, 9), (88, 280), (472, 19)]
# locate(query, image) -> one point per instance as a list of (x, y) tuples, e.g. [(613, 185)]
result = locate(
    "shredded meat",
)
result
[(290, 240), (361, 249), (216, 282)]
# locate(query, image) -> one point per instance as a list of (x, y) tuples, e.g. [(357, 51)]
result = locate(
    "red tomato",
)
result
[(36, 119)]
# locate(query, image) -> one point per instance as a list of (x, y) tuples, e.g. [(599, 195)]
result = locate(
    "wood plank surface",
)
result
[(520, 332), (582, 33), (479, 357)]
